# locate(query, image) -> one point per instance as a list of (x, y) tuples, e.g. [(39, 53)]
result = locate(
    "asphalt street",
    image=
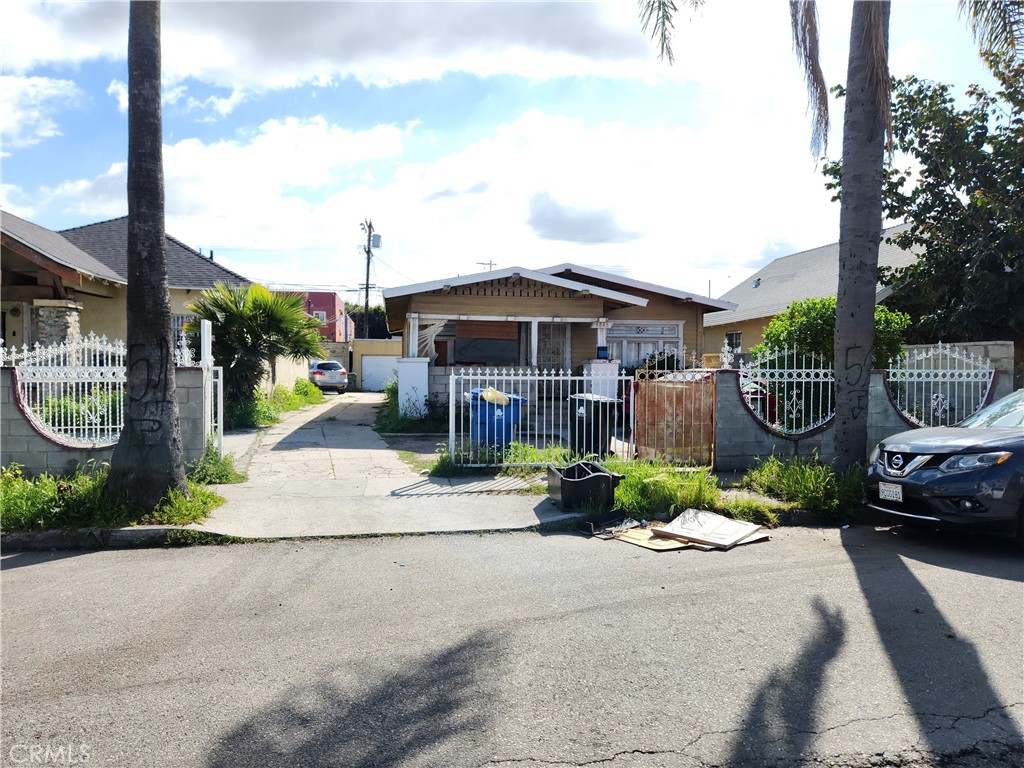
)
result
[(830, 647)]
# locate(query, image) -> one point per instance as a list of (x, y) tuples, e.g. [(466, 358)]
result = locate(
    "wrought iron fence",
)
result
[(74, 391), (530, 417), (939, 385), (789, 391)]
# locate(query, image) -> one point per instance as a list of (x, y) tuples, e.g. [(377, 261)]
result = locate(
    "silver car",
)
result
[(328, 374)]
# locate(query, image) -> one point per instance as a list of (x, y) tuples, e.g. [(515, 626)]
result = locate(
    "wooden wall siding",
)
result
[(481, 329), (508, 287), (583, 339), (522, 306)]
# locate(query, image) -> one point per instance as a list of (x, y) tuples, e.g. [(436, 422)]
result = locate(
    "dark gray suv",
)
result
[(967, 476)]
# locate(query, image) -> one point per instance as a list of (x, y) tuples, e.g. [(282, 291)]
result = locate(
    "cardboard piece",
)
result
[(644, 537), (707, 528)]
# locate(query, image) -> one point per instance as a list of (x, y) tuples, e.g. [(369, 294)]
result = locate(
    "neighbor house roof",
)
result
[(627, 282), (107, 241), (812, 274), (56, 248), (530, 274)]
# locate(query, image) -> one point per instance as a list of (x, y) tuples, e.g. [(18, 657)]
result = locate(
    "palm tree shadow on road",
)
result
[(783, 715), (417, 710), (943, 679)]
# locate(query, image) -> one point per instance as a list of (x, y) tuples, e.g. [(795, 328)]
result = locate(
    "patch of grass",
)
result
[(415, 461), (810, 484), (750, 510), (699, 490), (307, 392), (214, 469), (188, 537), (648, 489), (257, 412), (48, 502), (447, 465)]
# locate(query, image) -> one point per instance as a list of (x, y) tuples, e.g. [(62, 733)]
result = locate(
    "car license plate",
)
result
[(890, 492)]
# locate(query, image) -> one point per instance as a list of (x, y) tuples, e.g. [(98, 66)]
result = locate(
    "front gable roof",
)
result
[(812, 274), (588, 273), (107, 241), (509, 272), (56, 248)]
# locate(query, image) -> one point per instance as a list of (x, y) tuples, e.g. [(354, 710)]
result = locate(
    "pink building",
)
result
[(329, 308)]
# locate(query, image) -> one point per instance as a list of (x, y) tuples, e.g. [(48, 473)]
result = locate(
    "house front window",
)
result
[(632, 343), (734, 340), (320, 315)]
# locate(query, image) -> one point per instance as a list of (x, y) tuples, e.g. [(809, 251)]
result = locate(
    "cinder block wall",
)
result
[(741, 439), (20, 441)]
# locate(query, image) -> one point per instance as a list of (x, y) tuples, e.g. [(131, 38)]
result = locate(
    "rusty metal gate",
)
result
[(674, 414)]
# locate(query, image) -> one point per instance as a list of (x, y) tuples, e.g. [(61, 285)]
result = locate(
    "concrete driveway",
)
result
[(323, 471)]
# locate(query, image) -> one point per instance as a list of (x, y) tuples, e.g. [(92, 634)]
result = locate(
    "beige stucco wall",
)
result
[(752, 330), (106, 316)]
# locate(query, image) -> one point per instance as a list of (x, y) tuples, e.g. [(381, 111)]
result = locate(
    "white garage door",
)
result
[(377, 369)]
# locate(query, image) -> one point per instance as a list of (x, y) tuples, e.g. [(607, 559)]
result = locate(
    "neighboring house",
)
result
[(561, 318), (57, 285), (329, 308), (809, 274)]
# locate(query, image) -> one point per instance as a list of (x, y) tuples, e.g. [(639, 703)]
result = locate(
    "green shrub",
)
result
[(648, 489), (256, 412), (810, 484), (102, 409), (699, 490), (283, 400), (81, 500), (307, 392), (212, 468)]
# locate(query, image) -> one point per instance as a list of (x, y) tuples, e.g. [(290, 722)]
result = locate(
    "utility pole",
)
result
[(489, 264), (368, 227)]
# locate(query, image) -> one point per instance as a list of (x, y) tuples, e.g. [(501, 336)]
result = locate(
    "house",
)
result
[(58, 285), (565, 317), (812, 274), (329, 308)]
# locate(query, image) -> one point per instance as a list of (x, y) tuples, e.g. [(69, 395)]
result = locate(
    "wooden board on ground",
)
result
[(703, 527), (644, 537)]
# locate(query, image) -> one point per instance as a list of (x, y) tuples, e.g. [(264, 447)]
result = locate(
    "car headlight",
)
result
[(875, 455), (967, 461)]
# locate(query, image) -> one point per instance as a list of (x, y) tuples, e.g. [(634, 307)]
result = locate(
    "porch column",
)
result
[(412, 344), (413, 386), (57, 320), (534, 329), (602, 331)]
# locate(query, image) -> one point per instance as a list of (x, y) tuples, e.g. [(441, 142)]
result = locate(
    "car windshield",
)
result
[(331, 366), (1008, 412)]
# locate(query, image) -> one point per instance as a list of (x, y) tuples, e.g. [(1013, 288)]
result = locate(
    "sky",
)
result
[(474, 135)]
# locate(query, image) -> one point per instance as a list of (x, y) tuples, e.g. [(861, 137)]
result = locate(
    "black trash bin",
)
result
[(591, 423), (584, 485)]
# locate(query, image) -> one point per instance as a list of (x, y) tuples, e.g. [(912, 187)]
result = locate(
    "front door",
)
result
[(553, 346)]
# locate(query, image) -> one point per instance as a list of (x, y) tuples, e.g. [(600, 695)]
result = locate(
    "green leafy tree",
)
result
[(251, 328), (810, 326), (996, 26), (378, 320), (965, 208), (148, 461)]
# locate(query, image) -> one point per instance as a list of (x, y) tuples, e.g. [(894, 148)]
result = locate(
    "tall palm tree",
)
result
[(252, 327), (867, 127), (148, 459)]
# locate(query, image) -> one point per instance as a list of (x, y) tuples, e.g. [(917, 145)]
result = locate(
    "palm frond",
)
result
[(804, 19), (660, 15), (876, 47), (996, 26)]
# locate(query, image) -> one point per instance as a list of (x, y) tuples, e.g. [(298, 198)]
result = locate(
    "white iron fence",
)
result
[(529, 417), (789, 391), (74, 391), (939, 385)]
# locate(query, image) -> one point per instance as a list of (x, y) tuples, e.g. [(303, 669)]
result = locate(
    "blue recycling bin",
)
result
[(492, 423)]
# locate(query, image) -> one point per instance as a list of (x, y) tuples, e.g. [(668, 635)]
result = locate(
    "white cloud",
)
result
[(119, 91), (28, 106)]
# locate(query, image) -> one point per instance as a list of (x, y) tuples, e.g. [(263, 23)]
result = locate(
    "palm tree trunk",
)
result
[(148, 460), (860, 224)]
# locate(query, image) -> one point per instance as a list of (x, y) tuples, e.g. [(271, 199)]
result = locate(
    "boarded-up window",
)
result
[(482, 329)]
